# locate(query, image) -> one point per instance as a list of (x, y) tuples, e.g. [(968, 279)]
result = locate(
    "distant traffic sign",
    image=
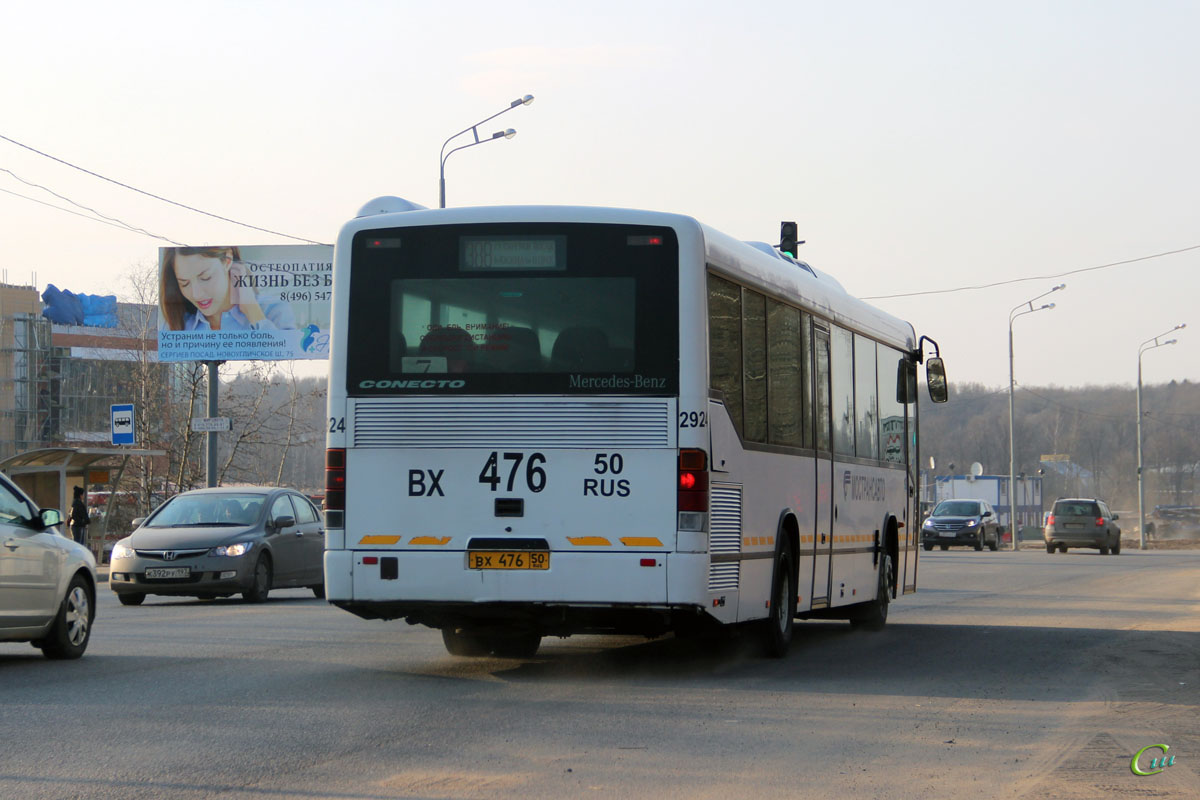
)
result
[(205, 424), (122, 423)]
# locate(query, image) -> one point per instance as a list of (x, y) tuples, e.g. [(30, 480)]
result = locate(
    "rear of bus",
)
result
[(504, 456)]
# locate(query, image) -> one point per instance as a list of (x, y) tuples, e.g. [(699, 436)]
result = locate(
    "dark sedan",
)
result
[(218, 542)]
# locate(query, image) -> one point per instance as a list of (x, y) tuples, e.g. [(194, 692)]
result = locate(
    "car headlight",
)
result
[(232, 550), (971, 523), (928, 524), (122, 551)]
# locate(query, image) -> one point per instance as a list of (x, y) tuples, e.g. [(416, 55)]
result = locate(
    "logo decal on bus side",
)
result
[(860, 487)]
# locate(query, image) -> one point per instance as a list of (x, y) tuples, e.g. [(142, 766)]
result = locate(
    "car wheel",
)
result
[(460, 642), (73, 627), (1103, 551), (1116, 548), (1050, 547), (318, 591), (131, 598), (994, 544), (979, 543), (944, 546), (778, 626), (1062, 548), (874, 618), (261, 585), (927, 547)]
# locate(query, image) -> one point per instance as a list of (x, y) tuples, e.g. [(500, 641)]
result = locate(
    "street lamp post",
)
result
[(1142, 348), (474, 130), (1020, 310)]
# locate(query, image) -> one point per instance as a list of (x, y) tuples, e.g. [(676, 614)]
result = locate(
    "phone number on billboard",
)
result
[(304, 297)]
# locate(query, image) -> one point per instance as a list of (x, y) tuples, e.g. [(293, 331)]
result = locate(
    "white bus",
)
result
[(546, 421)]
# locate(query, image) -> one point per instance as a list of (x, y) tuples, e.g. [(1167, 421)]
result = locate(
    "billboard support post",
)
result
[(211, 461)]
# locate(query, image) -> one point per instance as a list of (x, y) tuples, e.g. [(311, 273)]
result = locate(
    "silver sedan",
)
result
[(218, 542), (47, 581)]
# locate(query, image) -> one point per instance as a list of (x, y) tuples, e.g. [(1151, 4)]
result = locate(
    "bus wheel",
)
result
[(779, 625), (518, 645), (461, 643), (875, 615)]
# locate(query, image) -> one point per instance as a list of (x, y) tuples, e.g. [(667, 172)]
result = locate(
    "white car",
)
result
[(47, 581)]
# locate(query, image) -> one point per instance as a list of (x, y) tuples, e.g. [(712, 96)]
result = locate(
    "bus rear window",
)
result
[(514, 309)]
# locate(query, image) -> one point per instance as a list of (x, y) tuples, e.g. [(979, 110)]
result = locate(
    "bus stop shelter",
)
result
[(49, 474)]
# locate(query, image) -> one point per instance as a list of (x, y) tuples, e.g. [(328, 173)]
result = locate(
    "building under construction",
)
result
[(58, 382)]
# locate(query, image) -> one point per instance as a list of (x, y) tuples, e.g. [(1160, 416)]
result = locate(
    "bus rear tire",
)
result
[(779, 626), (517, 645), (459, 642), (874, 616)]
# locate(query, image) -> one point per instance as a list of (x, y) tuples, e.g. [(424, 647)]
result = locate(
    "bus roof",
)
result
[(754, 263)]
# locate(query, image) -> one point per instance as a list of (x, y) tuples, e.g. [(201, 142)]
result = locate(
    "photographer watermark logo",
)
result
[(1157, 763)]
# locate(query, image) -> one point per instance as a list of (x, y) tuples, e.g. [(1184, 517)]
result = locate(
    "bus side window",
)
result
[(725, 344)]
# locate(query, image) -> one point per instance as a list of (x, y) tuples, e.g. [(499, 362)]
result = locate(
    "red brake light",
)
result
[(1099, 522), (335, 479), (1050, 519), (693, 480)]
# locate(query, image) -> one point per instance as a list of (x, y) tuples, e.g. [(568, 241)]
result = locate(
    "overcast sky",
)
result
[(921, 146)]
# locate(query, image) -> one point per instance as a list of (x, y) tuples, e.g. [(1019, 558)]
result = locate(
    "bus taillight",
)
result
[(335, 479), (693, 481)]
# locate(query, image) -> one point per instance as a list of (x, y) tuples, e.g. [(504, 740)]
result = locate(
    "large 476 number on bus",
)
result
[(535, 476)]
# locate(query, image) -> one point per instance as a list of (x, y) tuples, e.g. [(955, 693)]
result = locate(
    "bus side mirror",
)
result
[(935, 376)]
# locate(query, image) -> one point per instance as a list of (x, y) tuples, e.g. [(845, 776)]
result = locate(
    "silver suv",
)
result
[(1082, 522)]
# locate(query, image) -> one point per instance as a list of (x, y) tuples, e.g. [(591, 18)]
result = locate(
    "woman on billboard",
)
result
[(198, 290)]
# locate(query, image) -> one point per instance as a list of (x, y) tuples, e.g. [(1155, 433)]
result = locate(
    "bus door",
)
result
[(823, 529), (912, 515)]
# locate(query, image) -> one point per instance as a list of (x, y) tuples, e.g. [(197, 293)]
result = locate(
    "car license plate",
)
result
[(510, 559), (1075, 526), (168, 572), (947, 533)]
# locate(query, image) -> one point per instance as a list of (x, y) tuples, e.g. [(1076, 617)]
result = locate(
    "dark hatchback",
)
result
[(961, 523)]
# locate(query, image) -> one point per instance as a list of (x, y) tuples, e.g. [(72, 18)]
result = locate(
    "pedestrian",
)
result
[(79, 517)]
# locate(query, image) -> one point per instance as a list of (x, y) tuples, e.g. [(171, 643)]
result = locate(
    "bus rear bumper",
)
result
[(579, 593)]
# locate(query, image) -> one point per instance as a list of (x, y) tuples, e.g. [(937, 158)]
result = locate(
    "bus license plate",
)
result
[(513, 559), (171, 572)]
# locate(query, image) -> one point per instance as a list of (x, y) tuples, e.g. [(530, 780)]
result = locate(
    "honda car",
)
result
[(961, 523), (219, 542)]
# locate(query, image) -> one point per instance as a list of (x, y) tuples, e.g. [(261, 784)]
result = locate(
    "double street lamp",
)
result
[(508, 133), (1020, 310), (1142, 348)]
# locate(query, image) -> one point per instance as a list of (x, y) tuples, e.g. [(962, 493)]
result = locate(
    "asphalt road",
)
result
[(1007, 675)]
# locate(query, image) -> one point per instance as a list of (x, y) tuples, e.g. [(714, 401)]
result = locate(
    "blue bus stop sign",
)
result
[(122, 424)]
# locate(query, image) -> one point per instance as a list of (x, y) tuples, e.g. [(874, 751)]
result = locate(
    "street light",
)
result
[(1142, 348), (1020, 310), (507, 134)]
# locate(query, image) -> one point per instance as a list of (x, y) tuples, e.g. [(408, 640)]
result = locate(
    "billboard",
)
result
[(238, 303)]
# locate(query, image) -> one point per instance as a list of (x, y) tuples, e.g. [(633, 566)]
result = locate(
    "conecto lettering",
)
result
[(421, 384)]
